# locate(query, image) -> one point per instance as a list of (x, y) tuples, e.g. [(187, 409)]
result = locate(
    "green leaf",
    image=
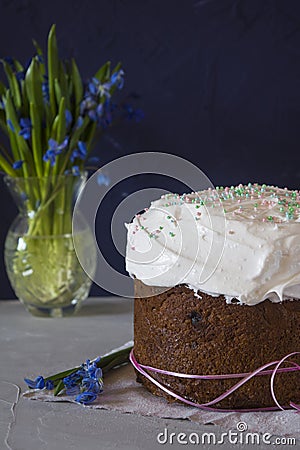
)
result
[(10, 109), (25, 102), (59, 388), (3, 89), (36, 138), (3, 124), (18, 144), (18, 66), (63, 81), (78, 132), (78, 87), (14, 146), (47, 130), (54, 128), (6, 161), (58, 93), (4, 164), (115, 359), (12, 116), (117, 68), (53, 67), (33, 85), (37, 47), (103, 73), (70, 93), (13, 84), (61, 125), (90, 134), (59, 376), (6, 154), (40, 60)]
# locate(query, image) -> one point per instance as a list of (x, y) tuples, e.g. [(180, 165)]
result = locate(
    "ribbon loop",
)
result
[(261, 371)]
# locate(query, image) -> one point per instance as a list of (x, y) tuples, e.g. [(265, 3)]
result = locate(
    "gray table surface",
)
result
[(32, 346)]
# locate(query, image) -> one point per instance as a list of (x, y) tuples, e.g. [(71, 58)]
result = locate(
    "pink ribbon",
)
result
[(245, 377)]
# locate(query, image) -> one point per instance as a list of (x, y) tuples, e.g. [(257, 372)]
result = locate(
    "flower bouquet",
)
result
[(50, 118), (85, 382)]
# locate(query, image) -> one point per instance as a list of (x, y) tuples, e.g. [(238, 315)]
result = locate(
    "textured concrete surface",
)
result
[(32, 346)]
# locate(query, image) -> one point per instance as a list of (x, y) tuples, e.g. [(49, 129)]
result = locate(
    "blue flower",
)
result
[(54, 150), (50, 155), (133, 114), (90, 105), (98, 359), (91, 369), (69, 118), (98, 373), (93, 86), (45, 89), (107, 119), (104, 90), (40, 58), (103, 179), (49, 385), (28, 62), (118, 79), (10, 61), (96, 114), (92, 115), (86, 398), (100, 110), (85, 383), (30, 383), (17, 164), (87, 104), (79, 152), (96, 88), (79, 122), (82, 149), (71, 380), (92, 385), (38, 383), (76, 171), (20, 75), (82, 371), (74, 390), (10, 124), (26, 126), (93, 160)]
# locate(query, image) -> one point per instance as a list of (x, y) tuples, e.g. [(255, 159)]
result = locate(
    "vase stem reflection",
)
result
[(40, 257)]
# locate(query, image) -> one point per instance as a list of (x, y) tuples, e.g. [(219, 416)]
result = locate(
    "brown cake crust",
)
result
[(178, 332)]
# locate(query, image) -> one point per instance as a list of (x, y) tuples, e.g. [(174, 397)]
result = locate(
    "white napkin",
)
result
[(122, 393)]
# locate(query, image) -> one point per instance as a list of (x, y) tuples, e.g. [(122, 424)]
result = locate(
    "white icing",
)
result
[(250, 252)]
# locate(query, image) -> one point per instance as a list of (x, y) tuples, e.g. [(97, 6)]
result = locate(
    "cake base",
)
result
[(177, 332)]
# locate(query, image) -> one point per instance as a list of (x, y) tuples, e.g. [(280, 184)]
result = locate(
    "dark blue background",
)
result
[(219, 82)]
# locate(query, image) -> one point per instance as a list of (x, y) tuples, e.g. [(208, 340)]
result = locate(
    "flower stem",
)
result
[(106, 363)]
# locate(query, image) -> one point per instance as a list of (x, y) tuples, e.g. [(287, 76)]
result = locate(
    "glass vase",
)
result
[(40, 257)]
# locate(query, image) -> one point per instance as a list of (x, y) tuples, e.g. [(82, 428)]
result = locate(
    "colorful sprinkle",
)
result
[(251, 201)]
